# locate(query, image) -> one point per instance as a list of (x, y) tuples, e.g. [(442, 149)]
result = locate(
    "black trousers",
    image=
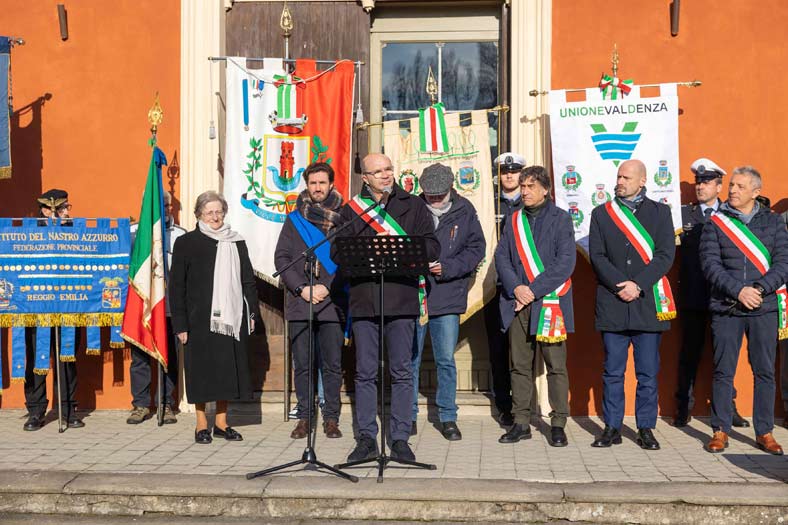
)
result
[(140, 373), (498, 344), (36, 385), (328, 338), (695, 325)]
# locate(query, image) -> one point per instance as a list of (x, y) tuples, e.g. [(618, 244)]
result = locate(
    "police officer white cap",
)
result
[(706, 169), (509, 162)]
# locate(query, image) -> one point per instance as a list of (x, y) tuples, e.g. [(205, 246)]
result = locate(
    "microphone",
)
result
[(384, 199)]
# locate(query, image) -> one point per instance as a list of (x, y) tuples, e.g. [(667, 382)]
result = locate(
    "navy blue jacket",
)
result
[(401, 293), (728, 271), (462, 249), (693, 286), (554, 235), (615, 260)]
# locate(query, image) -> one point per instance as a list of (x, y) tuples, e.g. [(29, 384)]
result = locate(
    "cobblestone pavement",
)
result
[(108, 444)]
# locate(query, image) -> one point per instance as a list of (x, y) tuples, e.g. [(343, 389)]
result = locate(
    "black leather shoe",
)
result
[(646, 439), (610, 436), (682, 418), (366, 448), (401, 450), (506, 419), (558, 437), (75, 422), (202, 437), (34, 422), (516, 433), (414, 429), (229, 433), (738, 421), (450, 431)]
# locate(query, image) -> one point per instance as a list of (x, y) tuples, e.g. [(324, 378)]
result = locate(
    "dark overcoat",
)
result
[(216, 366), (615, 260), (728, 270), (692, 284), (401, 293), (554, 235)]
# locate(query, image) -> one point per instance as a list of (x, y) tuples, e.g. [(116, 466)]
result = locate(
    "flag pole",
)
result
[(58, 383)]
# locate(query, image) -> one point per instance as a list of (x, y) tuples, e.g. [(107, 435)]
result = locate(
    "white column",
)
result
[(202, 35), (531, 42)]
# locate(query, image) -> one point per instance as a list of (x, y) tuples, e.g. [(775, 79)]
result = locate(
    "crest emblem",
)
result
[(467, 180), (408, 181), (6, 293), (600, 196), (576, 214), (571, 180), (663, 177), (110, 294), (614, 146)]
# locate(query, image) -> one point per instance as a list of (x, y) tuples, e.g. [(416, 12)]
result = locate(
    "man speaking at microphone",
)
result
[(398, 213)]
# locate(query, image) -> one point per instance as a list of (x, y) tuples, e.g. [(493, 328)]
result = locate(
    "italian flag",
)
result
[(432, 130), (145, 317)]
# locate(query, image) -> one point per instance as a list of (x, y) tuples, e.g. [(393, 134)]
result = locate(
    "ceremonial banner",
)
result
[(468, 155), (591, 138), (5, 108), (63, 274), (277, 124)]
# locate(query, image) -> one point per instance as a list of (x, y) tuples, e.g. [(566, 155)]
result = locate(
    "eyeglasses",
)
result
[(213, 213), (379, 173)]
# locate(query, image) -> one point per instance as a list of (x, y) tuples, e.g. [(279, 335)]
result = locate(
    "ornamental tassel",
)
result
[(115, 340), (43, 350), (18, 354), (552, 326), (94, 340), (67, 346), (423, 314)]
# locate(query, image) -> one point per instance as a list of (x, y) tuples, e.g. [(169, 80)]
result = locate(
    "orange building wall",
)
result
[(81, 125), (737, 117)]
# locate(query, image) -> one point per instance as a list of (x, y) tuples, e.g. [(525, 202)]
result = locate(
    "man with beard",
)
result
[(316, 215), (631, 247), (404, 214)]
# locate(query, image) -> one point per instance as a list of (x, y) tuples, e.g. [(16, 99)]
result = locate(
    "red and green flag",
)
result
[(145, 317)]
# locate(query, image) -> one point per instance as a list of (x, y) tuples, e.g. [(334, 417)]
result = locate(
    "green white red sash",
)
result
[(637, 235), (752, 248), (432, 130), (382, 222), (551, 327)]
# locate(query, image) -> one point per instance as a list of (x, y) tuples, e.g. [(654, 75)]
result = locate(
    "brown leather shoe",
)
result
[(767, 443), (331, 428), (718, 442), (301, 429)]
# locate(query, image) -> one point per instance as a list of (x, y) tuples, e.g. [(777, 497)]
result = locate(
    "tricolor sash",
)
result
[(640, 238), (752, 248), (551, 327), (432, 130), (382, 222), (311, 235)]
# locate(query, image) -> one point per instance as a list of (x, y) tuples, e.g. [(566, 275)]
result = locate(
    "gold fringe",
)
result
[(117, 345), (550, 339), (15, 380), (93, 351), (5, 172), (666, 316), (782, 333), (68, 358), (41, 371), (89, 319)]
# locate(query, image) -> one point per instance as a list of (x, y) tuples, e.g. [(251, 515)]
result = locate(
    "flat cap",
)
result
[(706, 169), (436, 179), (510, 162)]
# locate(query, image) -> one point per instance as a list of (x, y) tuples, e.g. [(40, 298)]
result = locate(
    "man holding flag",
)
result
[(145, 317), (631, 246), (316, 215), (744, 256)]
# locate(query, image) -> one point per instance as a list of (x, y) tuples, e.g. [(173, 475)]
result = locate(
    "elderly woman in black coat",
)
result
[(213, 300)]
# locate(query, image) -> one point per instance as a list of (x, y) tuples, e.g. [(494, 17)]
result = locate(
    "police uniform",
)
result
[(694, 299), (498, 341)]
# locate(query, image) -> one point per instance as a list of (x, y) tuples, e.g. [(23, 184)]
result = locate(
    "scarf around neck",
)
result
[(635, 201), (441, 210), (227, 301), (739, 215), (324, 215)]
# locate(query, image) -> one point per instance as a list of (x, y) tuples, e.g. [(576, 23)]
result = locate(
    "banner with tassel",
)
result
[(18, 355), (43, 350), (94, 340)]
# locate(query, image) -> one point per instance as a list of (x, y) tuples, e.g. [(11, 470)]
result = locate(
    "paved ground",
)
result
[(108, 444)]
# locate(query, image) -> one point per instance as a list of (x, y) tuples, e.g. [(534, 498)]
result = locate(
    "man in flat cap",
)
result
[(52, 204), (507, 201), (463, 246), (694, 303), (744, 256)]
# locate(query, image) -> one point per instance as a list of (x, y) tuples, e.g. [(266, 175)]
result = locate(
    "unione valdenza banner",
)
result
[(590, 139)]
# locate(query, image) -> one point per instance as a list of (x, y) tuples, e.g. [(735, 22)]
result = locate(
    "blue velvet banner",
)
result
[(5, 108)]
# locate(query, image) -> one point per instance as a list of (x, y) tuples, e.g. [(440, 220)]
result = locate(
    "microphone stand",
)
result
[(309, 457)]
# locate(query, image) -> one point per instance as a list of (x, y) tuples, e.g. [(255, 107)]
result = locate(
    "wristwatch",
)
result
[(300, 289), (759, 288)]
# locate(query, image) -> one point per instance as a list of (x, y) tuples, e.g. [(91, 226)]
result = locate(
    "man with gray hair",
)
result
[(744, 256)]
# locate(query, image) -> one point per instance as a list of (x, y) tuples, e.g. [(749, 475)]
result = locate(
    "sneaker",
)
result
[(169, 416), (401, 450), (138, 415), (366, 448)]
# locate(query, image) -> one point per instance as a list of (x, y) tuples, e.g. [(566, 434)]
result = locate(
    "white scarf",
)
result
[(440, 209), (228, 300)]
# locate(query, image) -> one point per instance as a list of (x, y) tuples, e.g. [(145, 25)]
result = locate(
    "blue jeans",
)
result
[(444, 330), (645, 347)]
